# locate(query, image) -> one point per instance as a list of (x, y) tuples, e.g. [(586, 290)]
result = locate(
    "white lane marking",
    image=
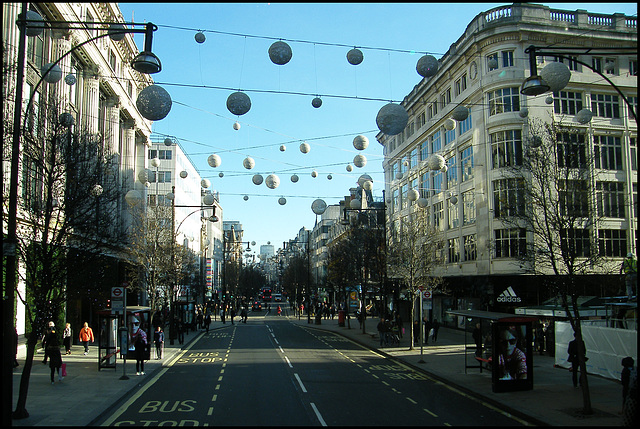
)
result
[(281, 351), (300, 383), (287, 359), (315, 410)]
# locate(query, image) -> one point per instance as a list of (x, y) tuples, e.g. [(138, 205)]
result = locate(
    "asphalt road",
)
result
[(272, 372)]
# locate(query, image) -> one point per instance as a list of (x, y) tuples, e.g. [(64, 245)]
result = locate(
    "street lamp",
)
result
[(535, 85)]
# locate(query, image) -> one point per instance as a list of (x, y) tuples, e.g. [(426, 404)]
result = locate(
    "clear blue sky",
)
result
[(200, 77)]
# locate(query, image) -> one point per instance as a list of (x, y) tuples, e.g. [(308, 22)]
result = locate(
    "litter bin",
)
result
[(341, 318)]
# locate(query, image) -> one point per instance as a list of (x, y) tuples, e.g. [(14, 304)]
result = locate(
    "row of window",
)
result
[(512, 243)]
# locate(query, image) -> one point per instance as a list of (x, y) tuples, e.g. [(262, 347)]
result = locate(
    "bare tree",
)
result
[(68, 179), (415, 250), (554, 199)]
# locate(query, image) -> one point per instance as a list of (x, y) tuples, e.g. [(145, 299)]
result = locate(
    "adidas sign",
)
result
[(508, 295)]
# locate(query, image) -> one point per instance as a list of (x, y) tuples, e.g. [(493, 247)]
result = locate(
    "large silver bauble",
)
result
[(51, 73), (238, 103), (257, 179), (460, 113), (422, 202), (248, 163), (294, 178), (272, 181), (154, 103), (200, 37), (364, 178), (70, 79), (133, 197), (214, 160), (436, 162), (556, 75), (34, 28), (449, 124), (413, 195), (584, 116), (305, 148), (205, 183), (427, 66), (208, 199), (355, 56), (318, 206), (392, 119), (280, 53), (360, 142), (316, 102), (360, 160)]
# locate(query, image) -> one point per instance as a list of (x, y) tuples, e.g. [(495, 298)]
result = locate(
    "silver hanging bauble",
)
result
[(168, 141), (399, 175), (214, 160), (584, 116), (360, 142), (282, 148), (200, 37), (392, 119), (144, 175), (257, 179), (436, 162), (208, 199), (549, 100), (427, 66), (524, 112), (316, 102), (66, 119), (453, 199), (329, 177), (272, 181), (133, 197), (413, 195), (34, 28), (294, 178), (280, 53), (238, 103), (460, 113), (70, 79), (97, 190), (221, 175), (236, 125), (282, 201), (367, 185), (318, 206), (492, 63), (51, 73), (205, 183), (360, 160), (154, 103), (349, 168), (248, 163), (556, 75), (355, 203), (450, 124), (246, 198), (355, 56), (116, 31), (314, 174), (422, 202), (183, 174), (305, 148), (364, 178)]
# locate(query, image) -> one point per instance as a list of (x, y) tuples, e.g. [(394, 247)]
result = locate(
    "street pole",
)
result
[(124, 344), (421, 329), (10, 244)]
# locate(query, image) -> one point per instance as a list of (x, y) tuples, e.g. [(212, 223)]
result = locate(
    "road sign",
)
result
[(117, 298), (427, 294), (117, 293)]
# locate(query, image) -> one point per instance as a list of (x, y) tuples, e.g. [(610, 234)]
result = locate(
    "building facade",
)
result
[(99, 91), (483, 71)]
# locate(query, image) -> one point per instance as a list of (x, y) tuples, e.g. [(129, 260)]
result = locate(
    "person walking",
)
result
[(207, 321), (158, 339), (140, 345), (574, 352), (625, 377), (400, 325), (382, 331), (51, 326), (630, 268), (436, 326), (86, 337), (66, 339), (53, 351)]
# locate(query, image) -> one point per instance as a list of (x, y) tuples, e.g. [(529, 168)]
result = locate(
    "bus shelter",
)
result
[(507, 347)]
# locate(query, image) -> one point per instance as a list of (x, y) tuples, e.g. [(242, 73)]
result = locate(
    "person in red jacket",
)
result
[(86, 336)]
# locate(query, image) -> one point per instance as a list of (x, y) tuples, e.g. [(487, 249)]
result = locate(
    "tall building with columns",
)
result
[(469, 200), (99, 89)]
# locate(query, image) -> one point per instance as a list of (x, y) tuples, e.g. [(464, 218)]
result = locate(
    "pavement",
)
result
[(86, 393)]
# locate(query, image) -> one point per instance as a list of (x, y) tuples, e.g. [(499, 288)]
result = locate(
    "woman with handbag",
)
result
[(53, 351)]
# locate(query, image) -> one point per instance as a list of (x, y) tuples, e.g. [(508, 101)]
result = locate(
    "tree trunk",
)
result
[(21, 406), (412, 312)]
